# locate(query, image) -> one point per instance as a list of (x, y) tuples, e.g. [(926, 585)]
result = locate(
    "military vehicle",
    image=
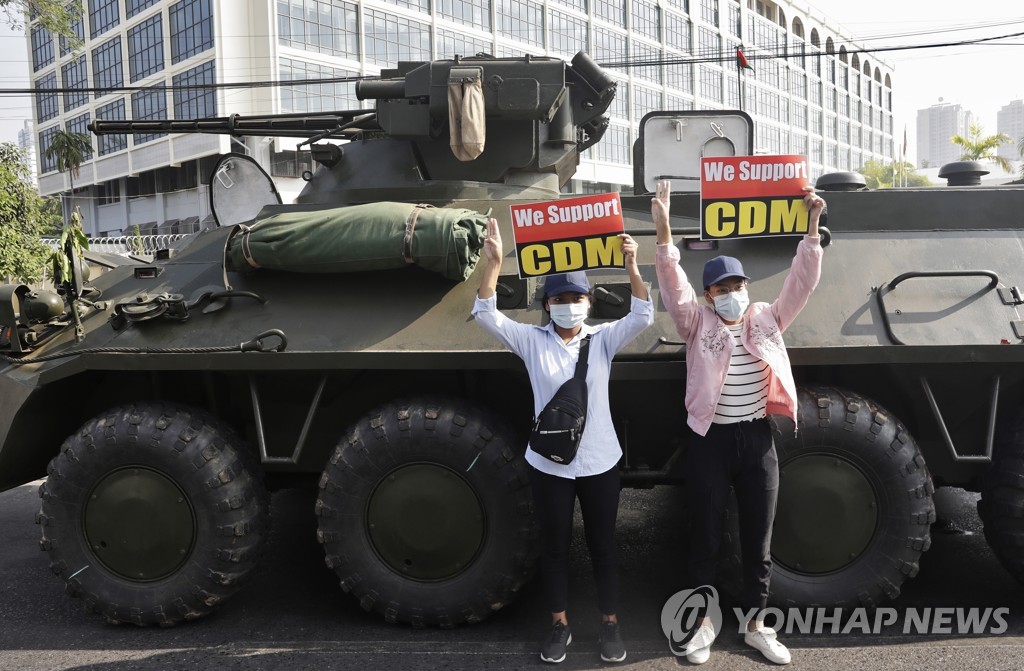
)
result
[(163, 401)]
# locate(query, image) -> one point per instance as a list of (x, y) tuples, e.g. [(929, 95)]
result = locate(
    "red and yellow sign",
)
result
[(752, 196), (562, 236)]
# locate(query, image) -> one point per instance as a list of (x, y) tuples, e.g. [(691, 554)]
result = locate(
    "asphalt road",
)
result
[(293, 615)]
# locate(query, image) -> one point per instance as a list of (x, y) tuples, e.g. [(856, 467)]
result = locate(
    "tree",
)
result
[(1020, 151), (976, 147), (880, 175), (68, 151), (24, 218), (56, 16)]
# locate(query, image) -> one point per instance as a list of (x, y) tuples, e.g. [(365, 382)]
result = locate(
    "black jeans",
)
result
[(741, 456), (554, 499)]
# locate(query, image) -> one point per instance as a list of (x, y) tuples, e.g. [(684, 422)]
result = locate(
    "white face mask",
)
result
[(732, 305), (569, 315)]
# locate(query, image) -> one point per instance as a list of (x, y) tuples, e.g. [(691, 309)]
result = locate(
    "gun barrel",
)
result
[(279, 125)]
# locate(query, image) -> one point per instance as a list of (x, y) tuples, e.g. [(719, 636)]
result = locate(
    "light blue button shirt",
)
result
[(550, 362)]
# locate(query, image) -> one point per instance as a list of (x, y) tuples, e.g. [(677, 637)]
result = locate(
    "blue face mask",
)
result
[(732, 305)]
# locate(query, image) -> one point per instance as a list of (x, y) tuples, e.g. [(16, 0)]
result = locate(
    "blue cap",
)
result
[(559, 284), (720, 267)]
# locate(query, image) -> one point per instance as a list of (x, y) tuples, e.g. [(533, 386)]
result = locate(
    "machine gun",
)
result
[(539, 113)]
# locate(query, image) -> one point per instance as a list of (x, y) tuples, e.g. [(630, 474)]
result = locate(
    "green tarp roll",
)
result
[(376, 236)]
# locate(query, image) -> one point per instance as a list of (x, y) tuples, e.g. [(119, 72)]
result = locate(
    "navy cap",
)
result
[(559, 284), (720, 267)]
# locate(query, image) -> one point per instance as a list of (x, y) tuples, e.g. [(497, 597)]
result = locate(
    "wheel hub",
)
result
[(425, 521), (826, 515), (139, 524)]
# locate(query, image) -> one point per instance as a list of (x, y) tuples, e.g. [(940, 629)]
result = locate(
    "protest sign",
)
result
[(752, 196), (565, 235)]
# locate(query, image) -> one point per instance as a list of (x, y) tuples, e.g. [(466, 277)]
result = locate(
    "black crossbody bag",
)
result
[(558, 428)]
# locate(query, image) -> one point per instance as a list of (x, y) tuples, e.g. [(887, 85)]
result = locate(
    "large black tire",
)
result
[(153, 513), (855, 504), (426, 515), (1001, 506)]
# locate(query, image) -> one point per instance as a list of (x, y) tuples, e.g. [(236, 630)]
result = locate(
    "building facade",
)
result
[(1010, 120), (935, 126), (812, 90), (27, 142)]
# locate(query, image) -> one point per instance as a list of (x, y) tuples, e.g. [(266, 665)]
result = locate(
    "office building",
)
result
[(1010, 120), (935, 126), (810, 92)]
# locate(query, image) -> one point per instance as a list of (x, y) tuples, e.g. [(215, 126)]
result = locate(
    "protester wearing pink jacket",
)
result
[(737, 372)]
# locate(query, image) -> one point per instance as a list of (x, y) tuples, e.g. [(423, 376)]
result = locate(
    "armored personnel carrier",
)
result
[(162, 401)]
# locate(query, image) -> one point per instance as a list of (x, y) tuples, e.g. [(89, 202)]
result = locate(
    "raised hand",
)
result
[(492, 242), (629, 248), (660, 208)]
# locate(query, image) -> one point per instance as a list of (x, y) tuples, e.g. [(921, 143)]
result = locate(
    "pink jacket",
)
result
[(708, 342)]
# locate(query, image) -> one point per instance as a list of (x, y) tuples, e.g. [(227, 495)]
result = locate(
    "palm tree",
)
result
[(68, 151), (975, 147)]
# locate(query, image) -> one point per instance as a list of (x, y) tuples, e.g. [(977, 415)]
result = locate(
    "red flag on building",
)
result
[(742, 62)]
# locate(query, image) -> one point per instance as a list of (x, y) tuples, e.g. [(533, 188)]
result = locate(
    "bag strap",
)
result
[(582, 363)]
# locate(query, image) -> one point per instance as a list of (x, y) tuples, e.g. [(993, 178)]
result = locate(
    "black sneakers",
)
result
[(553, 648), (610, 640)]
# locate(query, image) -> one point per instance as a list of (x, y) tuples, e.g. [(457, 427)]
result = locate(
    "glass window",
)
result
[(799, 115), (326, 26), (709, 45), (646, 19), (451, 44), (683, 5), (710, 82), (619, 107), (709, 11), (74, 75), (677, 103), (677, 32), (146, 48), (42, 48), (149, 104), (78, 28), (608, 47), (612, 11), (614, 146), (642, 52), (469, 12), (391, 38), (133, 7), (735, 21), (521, 20), (323, 96), (679, 76), (568, 34), (103, 15), (80, 124), (645, 100), (191, 28), (47, 106), (47, 163), (106, 65), (581, 5), (191, 99), (108, 144), (422, 5)]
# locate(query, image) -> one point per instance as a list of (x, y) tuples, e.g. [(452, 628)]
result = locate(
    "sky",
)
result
[(981, 77)]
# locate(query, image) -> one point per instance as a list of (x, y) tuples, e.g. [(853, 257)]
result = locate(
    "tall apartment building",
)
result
[(810, 91), (1010, 120), (27, 141), (935, 126)]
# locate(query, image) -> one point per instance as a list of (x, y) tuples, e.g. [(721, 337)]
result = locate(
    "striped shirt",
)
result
[(745, 394)]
